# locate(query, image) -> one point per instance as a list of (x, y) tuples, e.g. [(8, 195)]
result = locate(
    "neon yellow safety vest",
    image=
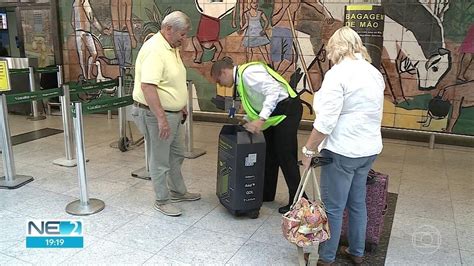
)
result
[(249, 110)]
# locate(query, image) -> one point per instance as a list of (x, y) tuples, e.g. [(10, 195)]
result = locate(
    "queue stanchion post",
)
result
[(144, 172), (60, 84), (190, 152), (69, 160), (11, 180), (34, 104), (123, 141), (84, 205)]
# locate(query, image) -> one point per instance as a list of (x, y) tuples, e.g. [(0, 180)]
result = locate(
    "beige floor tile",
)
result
[(467, 257), (425, 208), (410, 227), (402, 251), (463, 212), (424, 189)]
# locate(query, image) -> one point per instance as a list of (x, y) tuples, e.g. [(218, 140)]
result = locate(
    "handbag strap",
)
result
[(304, 182), (301, 259), (316, 191), (300, 190)]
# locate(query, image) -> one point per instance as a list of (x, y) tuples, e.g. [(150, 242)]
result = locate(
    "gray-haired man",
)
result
[(160, 96)]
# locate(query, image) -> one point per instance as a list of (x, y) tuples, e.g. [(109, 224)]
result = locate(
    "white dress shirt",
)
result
[(264, 91), (349, 109)]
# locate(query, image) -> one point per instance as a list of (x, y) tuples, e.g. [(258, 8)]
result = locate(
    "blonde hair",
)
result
[(345, 42)]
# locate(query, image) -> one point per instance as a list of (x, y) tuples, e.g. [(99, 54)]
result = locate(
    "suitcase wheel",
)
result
[(123, 144), (253, 214)]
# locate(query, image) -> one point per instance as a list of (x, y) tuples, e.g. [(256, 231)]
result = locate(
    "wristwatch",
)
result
[(308, 153)]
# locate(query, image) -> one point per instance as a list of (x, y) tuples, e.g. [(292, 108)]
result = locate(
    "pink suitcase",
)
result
[(377, 192)]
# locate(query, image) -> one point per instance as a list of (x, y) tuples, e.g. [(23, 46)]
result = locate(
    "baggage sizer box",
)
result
[(240, 170)]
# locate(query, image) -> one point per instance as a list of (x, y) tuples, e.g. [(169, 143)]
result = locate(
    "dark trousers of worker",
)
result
[(282, 150)]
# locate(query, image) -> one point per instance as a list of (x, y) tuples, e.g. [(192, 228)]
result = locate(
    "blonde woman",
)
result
[(347, 129)]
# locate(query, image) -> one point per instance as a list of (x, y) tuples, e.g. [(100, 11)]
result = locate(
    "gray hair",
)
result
[(177, 20)]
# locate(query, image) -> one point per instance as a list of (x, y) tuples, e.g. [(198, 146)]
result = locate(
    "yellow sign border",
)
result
[(359, 7), (4, 76)]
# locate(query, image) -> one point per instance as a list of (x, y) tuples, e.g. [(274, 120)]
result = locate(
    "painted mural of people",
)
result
[(124, 38), (207, 35), (83, 19), (255, 37), (466, 50)]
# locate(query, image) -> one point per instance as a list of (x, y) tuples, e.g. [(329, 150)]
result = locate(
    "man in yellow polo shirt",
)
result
[(160, 96)]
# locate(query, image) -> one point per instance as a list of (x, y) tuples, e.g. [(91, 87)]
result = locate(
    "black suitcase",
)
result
[(240, 170)]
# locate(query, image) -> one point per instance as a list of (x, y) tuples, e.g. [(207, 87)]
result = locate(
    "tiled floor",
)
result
[(434, 221)]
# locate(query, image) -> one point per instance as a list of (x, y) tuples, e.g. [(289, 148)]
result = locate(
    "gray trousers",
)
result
[(165, 156)]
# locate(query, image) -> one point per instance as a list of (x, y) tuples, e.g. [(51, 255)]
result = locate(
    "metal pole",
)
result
[(190, 152), (144, 172), (11, 180), (83, 206), (60, 76), (81, 169), (122, 114), (69, 161), (432, 141), (34, 104)]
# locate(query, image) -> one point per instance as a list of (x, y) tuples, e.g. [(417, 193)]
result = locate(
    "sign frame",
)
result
[(4, 76)]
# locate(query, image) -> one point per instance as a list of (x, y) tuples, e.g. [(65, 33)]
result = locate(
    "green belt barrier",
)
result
[(105, 105), (19, 71), (31, 96), (47, 70), (75, 88)]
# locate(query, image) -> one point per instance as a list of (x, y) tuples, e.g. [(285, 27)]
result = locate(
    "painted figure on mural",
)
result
[(466, 50), (207, 35), (255, 36), (283, 18), (39, 46), (83, 19), (417, 51), (281, 48), (122, 29)]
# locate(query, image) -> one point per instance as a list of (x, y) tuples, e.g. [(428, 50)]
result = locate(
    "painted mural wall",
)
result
[(426, 59)]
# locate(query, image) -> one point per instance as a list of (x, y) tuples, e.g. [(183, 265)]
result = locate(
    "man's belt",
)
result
[(146, 107)]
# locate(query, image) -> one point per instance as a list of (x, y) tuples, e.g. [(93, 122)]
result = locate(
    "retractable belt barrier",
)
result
[(11, 180), (68, 89), (78, 87), (25, 97), (190, 152), (86, 205), (36, 95)]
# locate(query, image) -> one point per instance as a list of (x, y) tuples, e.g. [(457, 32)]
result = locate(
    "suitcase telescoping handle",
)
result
[(241, 128), (318, 161)]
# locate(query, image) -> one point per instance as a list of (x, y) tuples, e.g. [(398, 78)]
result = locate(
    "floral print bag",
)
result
[(306, 222)]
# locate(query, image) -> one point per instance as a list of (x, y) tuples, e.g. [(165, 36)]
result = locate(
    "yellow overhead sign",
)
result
[(4, 77)]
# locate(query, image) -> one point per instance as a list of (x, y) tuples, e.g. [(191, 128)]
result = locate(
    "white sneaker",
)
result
[(188, 196), (167, 209)]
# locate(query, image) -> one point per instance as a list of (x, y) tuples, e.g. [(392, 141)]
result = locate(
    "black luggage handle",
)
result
[(318, 161)]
